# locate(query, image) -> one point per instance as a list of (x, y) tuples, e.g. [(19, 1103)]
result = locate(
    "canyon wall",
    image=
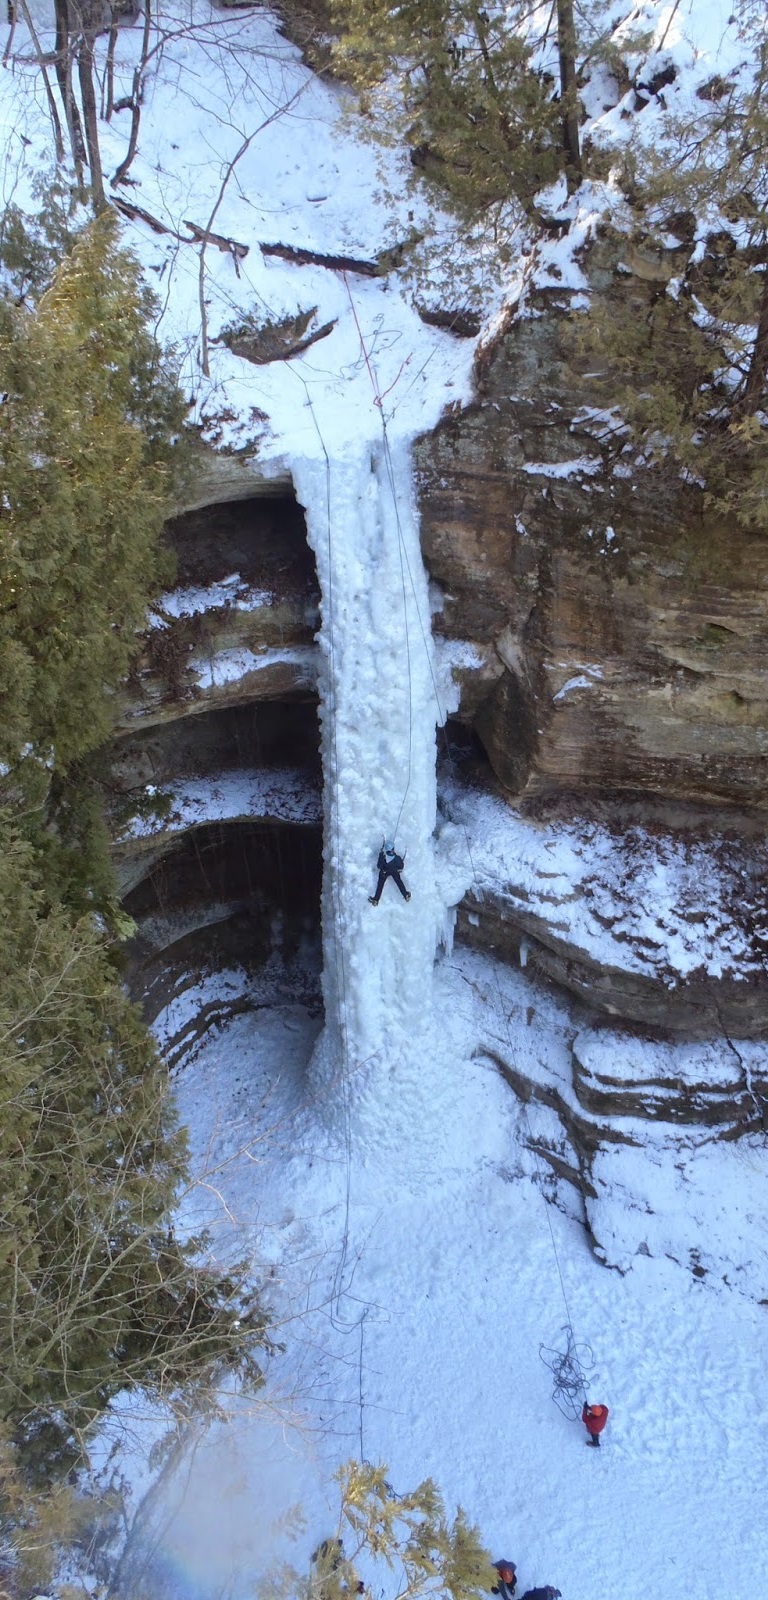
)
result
[(606, 635), (616, 632)]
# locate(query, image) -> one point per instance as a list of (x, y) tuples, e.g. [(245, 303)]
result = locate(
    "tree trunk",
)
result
[(91, 115), (569, 97), (108, 92), (64, 77), (12, 17), (57, 138), (136, 93), (754, 389)]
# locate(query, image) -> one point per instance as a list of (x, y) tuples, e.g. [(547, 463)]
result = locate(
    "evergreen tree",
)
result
[(95, 1290), (31, 247), (405, 1539), (481, 122), (89, 425), (687, 360), (36, 1525)]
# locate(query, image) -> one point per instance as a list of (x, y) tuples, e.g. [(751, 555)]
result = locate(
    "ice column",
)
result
[(378, 713)]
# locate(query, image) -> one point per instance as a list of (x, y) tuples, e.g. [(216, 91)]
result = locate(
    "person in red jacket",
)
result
[(594, 1418)]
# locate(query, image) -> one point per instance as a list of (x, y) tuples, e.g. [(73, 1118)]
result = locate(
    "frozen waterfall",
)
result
[(379, 709)]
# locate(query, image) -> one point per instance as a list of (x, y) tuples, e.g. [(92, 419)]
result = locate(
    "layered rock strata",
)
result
[(239, 624), (610, 640), (215, 787), (629, 624)]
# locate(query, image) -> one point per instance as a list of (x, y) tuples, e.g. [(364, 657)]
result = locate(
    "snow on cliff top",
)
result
[(238, 136), (670, 50), (304, 180)]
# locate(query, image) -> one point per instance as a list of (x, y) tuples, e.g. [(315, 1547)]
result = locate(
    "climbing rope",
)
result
[(570, 1369), (568, 1366), (378, 399), (342, 1280)]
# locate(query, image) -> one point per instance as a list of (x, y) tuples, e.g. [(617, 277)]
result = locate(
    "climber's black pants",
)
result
[(383, 875)]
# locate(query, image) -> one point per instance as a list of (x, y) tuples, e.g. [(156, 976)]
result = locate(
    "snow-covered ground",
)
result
[(383, 1183), (413, 1320), (238, 136), (630, 900)]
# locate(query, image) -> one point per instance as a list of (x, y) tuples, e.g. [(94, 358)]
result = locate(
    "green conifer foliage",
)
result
[(32, 246), (480, 121), (87, 429), (406, 1544), (36, 1525), (687, 359), (94, 1289), (96, 1292)]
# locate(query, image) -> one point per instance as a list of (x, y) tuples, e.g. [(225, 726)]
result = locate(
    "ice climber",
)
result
[(390, 865), (547, 1593), (507, 1579), (594, 1419)]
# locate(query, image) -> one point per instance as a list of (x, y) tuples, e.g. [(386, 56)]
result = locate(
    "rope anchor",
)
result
[(570, 1370)]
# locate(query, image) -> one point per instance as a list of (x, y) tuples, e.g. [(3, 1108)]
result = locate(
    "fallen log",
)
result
[(231, 247), (315, 258), (464, 324), (135, 213)]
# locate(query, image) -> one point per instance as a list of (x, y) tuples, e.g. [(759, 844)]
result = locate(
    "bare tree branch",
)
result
[(136, 92), (279, 111), (57, 135)]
